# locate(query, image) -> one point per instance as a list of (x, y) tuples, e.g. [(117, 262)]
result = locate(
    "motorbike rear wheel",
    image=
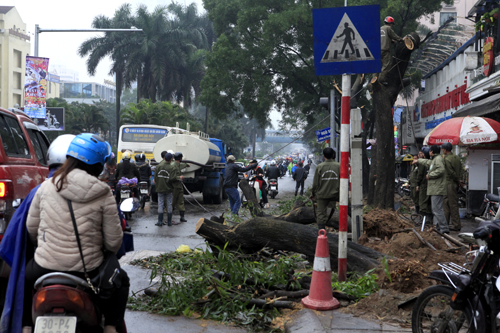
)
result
[(432, 313)]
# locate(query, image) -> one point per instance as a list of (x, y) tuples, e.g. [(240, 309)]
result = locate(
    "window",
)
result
[(13, 140), (18, 59), (17, 80), (87, 90), (72, 90), (445, 15)]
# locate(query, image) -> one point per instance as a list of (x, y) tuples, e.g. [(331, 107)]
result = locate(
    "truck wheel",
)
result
[(217, 199), (207, 199)]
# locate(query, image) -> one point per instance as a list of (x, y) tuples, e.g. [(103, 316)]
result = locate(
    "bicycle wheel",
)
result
[(432, 313)]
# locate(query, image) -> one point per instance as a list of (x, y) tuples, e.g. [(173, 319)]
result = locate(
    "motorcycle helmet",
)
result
[(126, 155), (178, 156), (140, 157), (389, 20), (90, 149), (56, 154), (426, 151), (273, 162), (447, 146)]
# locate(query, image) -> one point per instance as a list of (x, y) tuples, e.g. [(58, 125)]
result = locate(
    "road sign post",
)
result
[(346, 41)]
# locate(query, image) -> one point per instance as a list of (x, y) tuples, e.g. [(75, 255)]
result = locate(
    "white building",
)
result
[(65, 74)]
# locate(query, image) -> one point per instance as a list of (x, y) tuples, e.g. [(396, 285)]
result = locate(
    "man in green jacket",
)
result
[(436, 187), (453, 167), (165, 174), (413, 183), (387, 37), (178, 187), (325, 188), (424, 201)]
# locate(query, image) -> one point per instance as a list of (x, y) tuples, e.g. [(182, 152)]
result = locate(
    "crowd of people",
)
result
[(434, 182)]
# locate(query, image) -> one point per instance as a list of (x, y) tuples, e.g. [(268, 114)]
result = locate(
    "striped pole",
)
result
[(344, 175)]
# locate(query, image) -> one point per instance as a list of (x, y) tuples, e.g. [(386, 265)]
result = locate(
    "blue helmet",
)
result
[(90, 149)]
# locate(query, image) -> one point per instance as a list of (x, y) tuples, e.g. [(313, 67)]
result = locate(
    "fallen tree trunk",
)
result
[(252, 203), (259, 232)]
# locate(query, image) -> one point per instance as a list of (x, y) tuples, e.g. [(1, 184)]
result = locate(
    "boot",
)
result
[(417, 209), (182, 217), (321, 226), (169, 218), (295, 193), (160, 220)]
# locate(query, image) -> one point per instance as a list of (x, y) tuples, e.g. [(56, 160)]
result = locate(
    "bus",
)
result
[(141, 139)]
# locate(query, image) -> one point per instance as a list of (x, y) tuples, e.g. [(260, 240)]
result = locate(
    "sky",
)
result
[(62, 47)]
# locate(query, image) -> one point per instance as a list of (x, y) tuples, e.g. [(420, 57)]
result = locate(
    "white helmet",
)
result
[(273, 162), (56, 154), (126, 155)]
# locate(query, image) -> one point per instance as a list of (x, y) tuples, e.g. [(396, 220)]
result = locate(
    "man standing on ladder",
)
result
[(387, 36)]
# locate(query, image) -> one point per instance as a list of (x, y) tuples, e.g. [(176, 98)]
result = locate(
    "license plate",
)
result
[(55, 324), (273, 188), (144, 191), (125, 195)]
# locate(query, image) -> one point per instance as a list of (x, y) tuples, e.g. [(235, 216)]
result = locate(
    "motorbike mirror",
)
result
[(129, 205)]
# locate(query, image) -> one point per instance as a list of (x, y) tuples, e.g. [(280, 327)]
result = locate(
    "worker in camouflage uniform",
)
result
[(165, 174), (387, 37), (454, 169), (325, 188), (424, 202), (414, 183), (178, 201)]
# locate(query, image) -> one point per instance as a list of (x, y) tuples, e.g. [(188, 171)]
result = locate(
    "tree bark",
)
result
[(384, 97), (257, 233), (373, 176), (253, 204)]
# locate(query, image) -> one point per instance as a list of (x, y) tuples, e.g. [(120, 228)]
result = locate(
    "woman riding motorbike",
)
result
[(49, 225)]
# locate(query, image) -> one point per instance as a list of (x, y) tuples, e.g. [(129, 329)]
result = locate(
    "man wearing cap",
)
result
[(231, 182), (453, 167), (164, 175)]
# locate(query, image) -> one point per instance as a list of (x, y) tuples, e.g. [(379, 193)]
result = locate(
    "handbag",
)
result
[(110, 274)]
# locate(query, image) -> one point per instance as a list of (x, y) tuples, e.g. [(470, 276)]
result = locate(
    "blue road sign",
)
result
[(323, 134), (347, 40)]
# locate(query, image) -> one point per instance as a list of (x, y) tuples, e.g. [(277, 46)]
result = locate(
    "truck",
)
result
[(206, 157)]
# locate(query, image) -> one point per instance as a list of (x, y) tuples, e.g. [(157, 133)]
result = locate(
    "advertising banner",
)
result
[(54, 120), (35, 86)]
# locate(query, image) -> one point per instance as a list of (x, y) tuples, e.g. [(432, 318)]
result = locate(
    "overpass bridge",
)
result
[(275, 136)]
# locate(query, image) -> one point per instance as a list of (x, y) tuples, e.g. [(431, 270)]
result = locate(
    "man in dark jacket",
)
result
[(231, 182), (299, 176), (454, 168), (273, 172), (144, 168)]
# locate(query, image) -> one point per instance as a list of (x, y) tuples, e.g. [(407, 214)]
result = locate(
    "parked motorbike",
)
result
[(144, 193), (63, 303), (468, 299), (252, 181), (273, 188), (125, 194), (398, 182), (490, 206)]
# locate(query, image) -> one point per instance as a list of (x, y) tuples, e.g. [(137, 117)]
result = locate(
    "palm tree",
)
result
[(114, 44)]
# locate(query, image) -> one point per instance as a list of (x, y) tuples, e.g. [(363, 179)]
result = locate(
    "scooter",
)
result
[(63, 303), (144, 193), (273, 188), (490, 206), (252, 181), (126, 194)]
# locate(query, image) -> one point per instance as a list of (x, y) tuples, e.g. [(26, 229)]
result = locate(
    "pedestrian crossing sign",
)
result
[(347, 40)]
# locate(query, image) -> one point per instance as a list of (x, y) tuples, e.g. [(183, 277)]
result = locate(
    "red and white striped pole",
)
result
[(344, 175)]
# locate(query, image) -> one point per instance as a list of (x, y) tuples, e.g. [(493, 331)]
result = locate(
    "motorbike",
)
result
[(398, 182), (126, 193), (63, 303), (252, 181), (273, 188), (53, 122), (468, 298), (489, 208), (144, 193)]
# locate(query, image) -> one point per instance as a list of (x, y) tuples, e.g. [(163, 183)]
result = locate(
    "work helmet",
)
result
[(126, 155), (389, 20), (90, 149), (273, 162), (140, 157), (178, 156), (56, 154), (447, 146)]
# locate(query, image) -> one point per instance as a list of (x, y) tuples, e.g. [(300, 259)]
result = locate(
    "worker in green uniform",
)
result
[(387, 37), (413, 183), (325, 188), (454, 169), (424, 202), (165, 174), (178, 201)]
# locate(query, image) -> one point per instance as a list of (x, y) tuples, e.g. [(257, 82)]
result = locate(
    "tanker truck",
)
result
[(206, 157)]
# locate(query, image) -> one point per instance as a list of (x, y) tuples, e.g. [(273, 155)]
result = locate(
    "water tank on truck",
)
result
[(206, 159)]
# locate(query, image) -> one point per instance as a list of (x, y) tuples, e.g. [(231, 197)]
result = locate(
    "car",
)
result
[(23, 165), (240, 174)]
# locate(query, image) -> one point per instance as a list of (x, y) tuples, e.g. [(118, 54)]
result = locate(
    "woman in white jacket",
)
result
[(50, 226)]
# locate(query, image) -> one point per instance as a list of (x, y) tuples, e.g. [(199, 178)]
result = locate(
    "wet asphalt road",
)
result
[(150, 240)]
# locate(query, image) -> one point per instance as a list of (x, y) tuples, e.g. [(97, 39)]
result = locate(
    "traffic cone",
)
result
[(320, 295)]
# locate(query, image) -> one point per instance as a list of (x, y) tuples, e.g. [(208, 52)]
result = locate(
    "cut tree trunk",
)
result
[(384, 97), (257, 233), (253, 204)]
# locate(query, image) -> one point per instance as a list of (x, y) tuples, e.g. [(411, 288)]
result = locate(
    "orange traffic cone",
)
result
[(320, 295)]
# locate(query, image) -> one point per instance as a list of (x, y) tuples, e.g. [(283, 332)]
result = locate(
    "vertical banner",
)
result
[(35, 87)]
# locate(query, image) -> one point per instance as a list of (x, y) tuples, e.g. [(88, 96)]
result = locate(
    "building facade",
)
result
[(14, 46), (87, 92)]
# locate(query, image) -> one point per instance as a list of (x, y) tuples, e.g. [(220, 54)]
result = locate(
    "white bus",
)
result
[(141, 139)]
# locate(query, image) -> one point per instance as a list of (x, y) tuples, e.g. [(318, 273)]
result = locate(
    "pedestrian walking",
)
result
[(299, 176), (178, 200), (413, 183), (325, 188), (454, 168), (231, 182), (436, 187)]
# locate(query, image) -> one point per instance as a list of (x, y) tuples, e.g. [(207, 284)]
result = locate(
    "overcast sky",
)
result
[(62, 47)]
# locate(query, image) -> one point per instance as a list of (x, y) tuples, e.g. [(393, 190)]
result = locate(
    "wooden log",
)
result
[(252, 202), (451, 239), (423, 240), (301, 215), (256, 233)]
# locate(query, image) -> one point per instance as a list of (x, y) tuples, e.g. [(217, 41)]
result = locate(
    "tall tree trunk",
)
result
[(254, 138), (119, 88), (384, 97), (139, 83)]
